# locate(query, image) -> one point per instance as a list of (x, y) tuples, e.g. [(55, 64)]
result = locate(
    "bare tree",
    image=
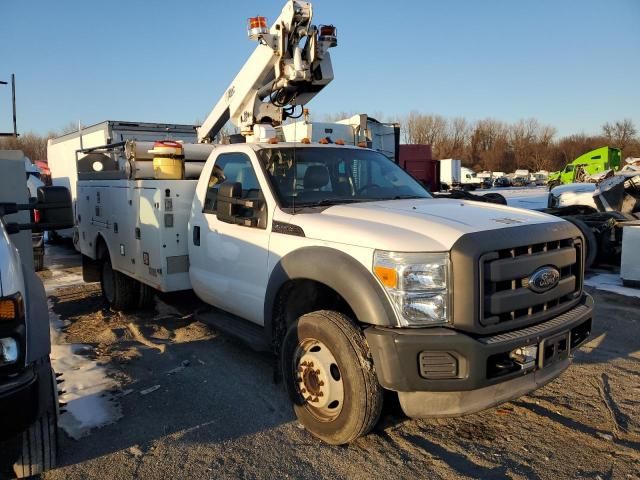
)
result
[(620, 133), (424, 129), (455, 142), (32, 145)]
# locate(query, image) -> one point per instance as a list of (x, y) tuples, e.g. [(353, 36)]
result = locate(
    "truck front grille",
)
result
[(506, 298)]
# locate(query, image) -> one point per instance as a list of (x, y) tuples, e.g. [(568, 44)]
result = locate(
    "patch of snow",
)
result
[(86, 384), (611, 282), (60, 279)]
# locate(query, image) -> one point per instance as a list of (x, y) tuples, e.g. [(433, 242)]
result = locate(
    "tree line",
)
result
[(487, 144), (32, 144), (494, 145)]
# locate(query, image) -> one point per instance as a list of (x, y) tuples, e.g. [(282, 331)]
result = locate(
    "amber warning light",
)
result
[(328, 33), (256, 27)]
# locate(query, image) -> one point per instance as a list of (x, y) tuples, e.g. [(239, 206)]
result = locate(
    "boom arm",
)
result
[(288, 68)]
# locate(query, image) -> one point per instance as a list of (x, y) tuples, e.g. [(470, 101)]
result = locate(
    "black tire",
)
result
[(147, 296), (591, 247), (38, 446), (54, 238), (120, 291), (38, 261), (495, 198), (362, 394)]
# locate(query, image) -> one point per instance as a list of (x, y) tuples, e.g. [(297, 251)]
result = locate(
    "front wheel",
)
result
[(37, 447), (329, 375)]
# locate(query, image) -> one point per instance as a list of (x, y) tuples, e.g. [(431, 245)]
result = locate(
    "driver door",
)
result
[(230, 268)]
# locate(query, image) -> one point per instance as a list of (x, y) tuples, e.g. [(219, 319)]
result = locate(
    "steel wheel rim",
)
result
[(318, 379)]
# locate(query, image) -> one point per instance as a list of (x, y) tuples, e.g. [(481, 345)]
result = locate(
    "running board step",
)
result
[(247, 332)]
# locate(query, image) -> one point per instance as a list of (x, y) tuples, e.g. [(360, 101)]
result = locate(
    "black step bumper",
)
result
[(444, 372)]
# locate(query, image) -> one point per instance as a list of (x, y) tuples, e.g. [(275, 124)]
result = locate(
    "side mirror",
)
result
[(232, 208), (53, 204), (56, 209), (228, 195)]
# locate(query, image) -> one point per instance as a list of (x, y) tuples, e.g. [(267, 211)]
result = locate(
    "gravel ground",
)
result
[(216, 412)]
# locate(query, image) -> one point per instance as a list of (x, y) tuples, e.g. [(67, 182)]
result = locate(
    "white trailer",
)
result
[(62, 150), (450, 172)]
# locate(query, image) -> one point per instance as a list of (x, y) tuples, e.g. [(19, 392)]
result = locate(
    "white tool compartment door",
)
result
[(149, 235), (229, 266)]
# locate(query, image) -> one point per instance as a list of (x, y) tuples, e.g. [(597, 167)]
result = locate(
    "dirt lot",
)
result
[(195, 404)]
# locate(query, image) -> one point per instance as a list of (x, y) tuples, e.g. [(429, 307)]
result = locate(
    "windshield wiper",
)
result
[(328, 202), (408, 197)]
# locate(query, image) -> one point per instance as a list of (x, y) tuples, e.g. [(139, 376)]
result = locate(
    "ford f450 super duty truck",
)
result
[(339, 262), (334, 258)]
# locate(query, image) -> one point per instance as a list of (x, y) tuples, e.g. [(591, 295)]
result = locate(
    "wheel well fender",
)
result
[(337, 271), (101, 247), (91, 267)]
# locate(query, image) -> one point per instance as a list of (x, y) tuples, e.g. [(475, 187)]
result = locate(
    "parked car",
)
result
[(502, 182), (520, 181), (572, 194), (486, 183)]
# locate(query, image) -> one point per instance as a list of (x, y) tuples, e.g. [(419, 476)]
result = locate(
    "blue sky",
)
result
[(573, 63)]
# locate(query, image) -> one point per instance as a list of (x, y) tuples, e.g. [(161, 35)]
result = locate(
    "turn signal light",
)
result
[(11, 308), (388, 276), (305, 140), (324, 141), (339, 142), (273, 141), (7, 310)]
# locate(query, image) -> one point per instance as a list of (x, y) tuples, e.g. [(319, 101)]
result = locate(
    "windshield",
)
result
[(325, 176)]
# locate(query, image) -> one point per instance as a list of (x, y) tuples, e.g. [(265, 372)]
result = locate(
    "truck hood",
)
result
[(413, 225)]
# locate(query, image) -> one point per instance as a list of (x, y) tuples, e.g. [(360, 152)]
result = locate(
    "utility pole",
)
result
[(13, 102)]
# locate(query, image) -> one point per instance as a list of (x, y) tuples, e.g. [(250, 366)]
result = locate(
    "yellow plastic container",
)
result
[(168, 169), (168, 160)]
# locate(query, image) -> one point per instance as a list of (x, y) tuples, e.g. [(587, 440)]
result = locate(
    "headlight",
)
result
[(418, 284), (8, 351)]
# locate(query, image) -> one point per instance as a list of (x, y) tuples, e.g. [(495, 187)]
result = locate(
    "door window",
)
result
[(231, 167)]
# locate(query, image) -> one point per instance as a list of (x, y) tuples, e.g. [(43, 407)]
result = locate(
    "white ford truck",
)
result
[(335, 259), (338, 261)]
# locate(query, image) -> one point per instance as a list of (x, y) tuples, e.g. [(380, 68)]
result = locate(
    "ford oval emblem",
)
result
[(544, 279)]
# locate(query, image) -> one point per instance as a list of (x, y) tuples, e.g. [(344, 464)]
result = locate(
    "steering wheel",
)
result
[(367, 187)]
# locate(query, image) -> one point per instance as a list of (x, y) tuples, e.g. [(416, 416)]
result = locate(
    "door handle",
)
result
[(196, 236)]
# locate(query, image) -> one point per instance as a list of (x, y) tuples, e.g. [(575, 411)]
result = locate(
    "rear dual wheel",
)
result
[(123, 292), (329, 375)]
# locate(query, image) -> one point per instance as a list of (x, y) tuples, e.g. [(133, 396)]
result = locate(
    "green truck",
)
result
[(595, 161)]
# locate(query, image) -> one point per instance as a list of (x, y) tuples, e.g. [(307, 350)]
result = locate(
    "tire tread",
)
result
[(38, 444), (372, 397)]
